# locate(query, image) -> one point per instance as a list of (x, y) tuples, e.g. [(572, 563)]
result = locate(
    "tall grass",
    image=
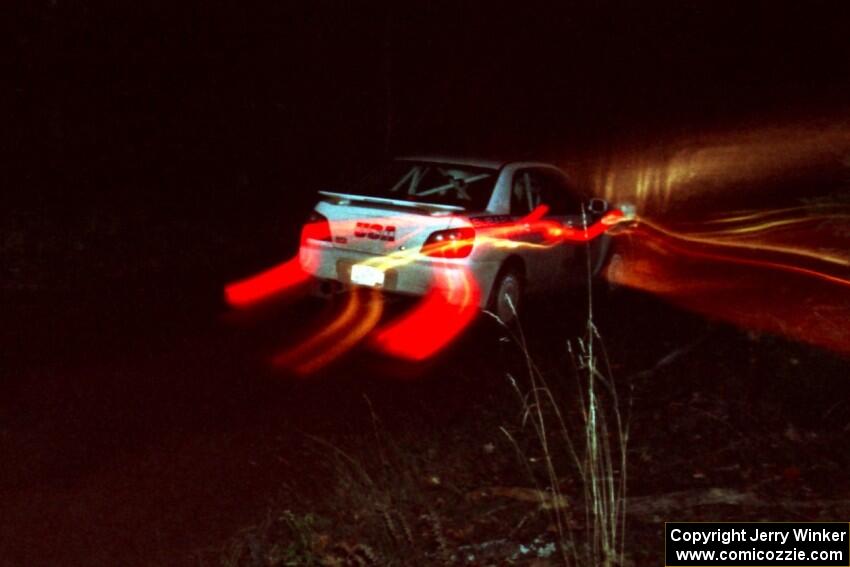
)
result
[(591, 431)]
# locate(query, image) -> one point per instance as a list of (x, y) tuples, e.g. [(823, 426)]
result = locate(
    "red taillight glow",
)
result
[(252, 290), (316, 228), (445, 311), (452, 243)]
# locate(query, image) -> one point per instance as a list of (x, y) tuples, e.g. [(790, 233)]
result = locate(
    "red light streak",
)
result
[(799, 290), (357, 319), (538, 213), (755, 262), (279, 279), (550, 231), (257, 288), (721, 239), (447, 309), (783, 270)]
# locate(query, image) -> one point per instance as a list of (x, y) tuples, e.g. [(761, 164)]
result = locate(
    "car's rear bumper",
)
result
[(413, 275)]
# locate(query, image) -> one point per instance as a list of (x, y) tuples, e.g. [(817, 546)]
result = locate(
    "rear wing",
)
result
[(424, 207)]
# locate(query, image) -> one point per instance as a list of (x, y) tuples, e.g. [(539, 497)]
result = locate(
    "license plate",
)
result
[(362, 274)]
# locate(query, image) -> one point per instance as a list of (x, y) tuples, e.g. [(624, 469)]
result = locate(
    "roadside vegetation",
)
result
[(569, 457), (564, 456)]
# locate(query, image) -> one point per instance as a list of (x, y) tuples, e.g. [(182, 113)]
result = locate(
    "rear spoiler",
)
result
[(425, 207)]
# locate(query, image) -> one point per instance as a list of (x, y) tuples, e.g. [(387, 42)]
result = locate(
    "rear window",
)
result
[(440, 183)]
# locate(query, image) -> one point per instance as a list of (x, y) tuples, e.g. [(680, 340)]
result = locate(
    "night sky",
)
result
[(230, 117)]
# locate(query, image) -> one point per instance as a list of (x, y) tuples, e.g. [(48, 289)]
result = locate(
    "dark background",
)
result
[(192, 137), (151, 153)]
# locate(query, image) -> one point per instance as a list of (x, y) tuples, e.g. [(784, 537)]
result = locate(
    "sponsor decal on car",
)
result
[(374, 231)]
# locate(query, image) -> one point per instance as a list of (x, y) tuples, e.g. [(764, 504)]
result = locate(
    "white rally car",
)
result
[(506, 225)]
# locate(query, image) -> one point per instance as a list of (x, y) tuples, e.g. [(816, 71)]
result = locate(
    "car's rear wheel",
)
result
[(506, 297)]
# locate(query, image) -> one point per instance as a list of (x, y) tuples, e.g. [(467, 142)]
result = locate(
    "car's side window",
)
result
[(519, 194), (553, 189), (534, 187)]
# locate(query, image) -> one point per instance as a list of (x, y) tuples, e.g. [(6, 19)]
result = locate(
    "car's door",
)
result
[(546, 259), (550, 187), (571, 207)]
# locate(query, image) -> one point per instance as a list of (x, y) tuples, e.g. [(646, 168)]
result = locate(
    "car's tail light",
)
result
[(452, 243), (316, 228)]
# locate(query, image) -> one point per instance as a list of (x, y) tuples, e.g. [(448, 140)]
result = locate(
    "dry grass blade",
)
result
[(596, 446)]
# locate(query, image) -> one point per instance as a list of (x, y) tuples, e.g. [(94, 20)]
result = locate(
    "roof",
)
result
[(472, 162)]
